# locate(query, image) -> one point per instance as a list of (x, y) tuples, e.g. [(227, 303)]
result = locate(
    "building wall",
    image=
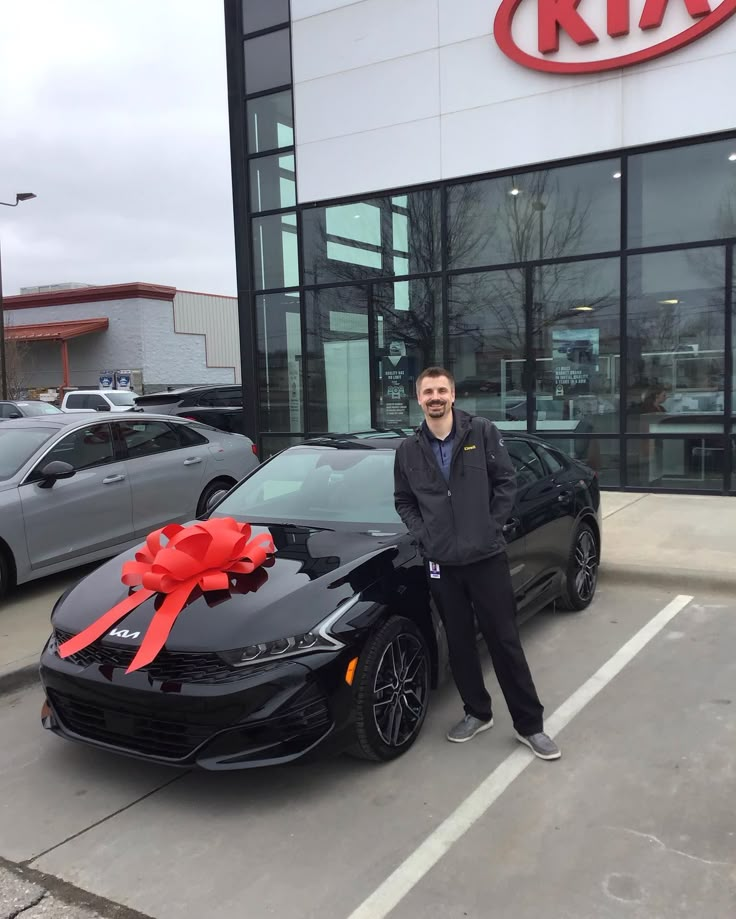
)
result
[(141, 336), (217, 319), (439, 99)]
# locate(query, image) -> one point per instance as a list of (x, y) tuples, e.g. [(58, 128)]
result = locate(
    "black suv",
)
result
[(219, 406)]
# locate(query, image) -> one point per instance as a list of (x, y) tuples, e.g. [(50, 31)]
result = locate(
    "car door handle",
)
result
[(192, 460), (109, 480), (512, 525), (564, 497)]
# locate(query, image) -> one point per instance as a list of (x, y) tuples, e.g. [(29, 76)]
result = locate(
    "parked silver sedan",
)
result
[(78, 488)]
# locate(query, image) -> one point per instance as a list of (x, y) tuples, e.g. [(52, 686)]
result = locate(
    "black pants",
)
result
[(484, 590)]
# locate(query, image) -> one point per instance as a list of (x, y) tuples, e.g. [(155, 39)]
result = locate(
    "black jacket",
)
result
[(459, 522)]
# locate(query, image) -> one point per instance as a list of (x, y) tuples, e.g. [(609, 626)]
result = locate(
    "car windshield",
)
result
[(319, 485), (17, 446), (39, 408), (121, 398)]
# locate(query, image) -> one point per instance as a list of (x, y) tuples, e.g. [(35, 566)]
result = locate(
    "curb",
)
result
[(677, 580), (13, 680)]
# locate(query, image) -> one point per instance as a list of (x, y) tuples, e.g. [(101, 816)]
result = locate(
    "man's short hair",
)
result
[(434, 372)]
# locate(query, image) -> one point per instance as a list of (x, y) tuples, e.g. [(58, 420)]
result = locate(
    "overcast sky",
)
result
[(114, 112)]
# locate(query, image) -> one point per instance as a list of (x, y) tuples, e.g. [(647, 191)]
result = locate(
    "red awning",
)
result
[(55, 331)]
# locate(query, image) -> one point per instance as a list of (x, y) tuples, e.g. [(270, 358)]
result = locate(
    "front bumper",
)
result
[(257, 716)]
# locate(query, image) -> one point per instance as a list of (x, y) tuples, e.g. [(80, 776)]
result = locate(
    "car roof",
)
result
[(390, 440), (87, 392), (68, 420)]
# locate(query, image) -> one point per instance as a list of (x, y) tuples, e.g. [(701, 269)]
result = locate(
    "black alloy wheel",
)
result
[(581, 578), (392, 688)]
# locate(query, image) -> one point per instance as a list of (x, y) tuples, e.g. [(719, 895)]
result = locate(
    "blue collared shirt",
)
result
[(442, 449)]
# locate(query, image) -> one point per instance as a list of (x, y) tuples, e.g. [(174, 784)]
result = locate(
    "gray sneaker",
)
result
[(468, 728), (541, 745)]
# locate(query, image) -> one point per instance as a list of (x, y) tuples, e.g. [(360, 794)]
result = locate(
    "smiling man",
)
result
[(454, 489)]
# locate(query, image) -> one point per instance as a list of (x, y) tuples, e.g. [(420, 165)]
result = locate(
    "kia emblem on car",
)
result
[(568, 36), (124, 633)]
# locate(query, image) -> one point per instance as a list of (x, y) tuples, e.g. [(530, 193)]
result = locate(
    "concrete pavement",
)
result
[(682, 542)]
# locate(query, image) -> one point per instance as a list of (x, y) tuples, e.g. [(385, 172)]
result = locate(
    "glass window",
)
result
[(527, 464), (552, 463), (121, 398), (576, 312), (390, 236), (676, 332), (275, 252), (602, 454), (267, 61), (271, 444), (84, 449), (148, 438), (338, 354), (487, 341), (408, 338), (694, 461), (682, 195), (319, 484), (272, 182), (17, 446), (572, 210), (188, 437), (280, 385), (262, 14), (76, 400), (270, 122)]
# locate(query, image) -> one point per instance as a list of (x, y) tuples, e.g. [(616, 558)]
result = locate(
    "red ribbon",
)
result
[(201, 555)]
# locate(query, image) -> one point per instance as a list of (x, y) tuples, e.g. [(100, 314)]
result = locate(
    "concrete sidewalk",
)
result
[(680, 542)]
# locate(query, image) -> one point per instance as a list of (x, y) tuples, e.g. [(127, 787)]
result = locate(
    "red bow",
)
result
[(201, 555)]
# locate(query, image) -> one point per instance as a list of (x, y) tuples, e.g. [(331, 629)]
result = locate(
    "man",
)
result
[(454, 489)]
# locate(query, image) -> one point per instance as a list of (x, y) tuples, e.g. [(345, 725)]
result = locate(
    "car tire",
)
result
[(581, 576), (393, 678), (5, 584), (216, 486)]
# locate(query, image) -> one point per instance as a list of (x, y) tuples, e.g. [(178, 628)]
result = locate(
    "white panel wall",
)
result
[(397, 92)]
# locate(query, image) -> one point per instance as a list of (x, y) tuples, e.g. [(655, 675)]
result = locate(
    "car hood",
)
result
[(313, 572)]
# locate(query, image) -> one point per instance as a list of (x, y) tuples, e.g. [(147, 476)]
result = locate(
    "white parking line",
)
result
[(393, 890)]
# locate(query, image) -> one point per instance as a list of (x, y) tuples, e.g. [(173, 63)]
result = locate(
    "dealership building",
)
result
[(538, 194)]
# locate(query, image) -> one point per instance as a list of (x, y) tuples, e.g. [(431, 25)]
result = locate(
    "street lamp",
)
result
[(20, 196)]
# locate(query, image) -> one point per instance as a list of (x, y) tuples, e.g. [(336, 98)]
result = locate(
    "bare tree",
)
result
[(18, 367)]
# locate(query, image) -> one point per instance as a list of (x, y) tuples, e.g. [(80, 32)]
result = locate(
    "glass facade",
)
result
[(590, 302)]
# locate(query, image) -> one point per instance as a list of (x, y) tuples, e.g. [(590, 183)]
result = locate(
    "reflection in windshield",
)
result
[(39, 408), (17, 446), (321, 485)]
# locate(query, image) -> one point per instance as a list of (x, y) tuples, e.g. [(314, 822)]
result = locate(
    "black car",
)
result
[(27, 408), (336, 645), (220, 407)]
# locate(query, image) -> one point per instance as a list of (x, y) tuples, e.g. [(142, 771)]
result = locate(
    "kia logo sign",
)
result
[(590, 36)]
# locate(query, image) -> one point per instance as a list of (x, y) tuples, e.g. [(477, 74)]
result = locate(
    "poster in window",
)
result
[(575, 354), (396, 386)]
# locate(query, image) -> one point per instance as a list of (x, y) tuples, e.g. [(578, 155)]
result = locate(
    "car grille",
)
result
[(136, 732), (169, 666), (308, 715)]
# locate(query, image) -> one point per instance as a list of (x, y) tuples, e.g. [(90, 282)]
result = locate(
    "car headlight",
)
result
[(318, 638)]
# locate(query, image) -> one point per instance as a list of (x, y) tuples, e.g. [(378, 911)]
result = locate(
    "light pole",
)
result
[(21, 196)]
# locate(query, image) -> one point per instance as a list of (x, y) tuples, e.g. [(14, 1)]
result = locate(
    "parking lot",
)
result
[(635, 820)]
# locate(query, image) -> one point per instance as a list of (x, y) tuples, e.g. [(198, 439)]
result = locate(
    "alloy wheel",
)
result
[(586, 565), (400, 690)]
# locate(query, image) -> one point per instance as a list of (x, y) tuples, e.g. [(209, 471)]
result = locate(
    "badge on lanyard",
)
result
[(434, 570)]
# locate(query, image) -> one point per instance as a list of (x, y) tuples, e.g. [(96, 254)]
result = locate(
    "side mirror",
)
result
[(15, 415), (103, 408), (53, 471)]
